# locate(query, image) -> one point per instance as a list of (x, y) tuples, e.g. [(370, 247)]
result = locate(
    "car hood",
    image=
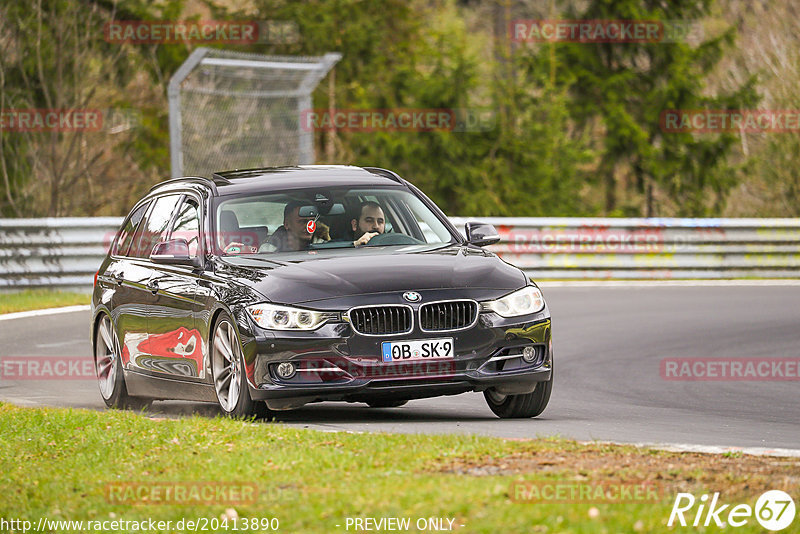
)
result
[(306, 277)]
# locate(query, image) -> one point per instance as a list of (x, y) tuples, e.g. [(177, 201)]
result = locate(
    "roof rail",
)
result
[(194, 179), (385, 172), (219, 179)]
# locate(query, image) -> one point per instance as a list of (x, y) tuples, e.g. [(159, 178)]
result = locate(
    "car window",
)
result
[(430, 227), (125, 238), (154, 229), (404, 220), (248, 221), (187, 225)]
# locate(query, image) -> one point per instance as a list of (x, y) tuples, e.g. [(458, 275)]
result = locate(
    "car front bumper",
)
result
[(335, 363)]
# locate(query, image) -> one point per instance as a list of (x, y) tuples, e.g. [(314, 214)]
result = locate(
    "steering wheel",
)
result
[(393, 239)]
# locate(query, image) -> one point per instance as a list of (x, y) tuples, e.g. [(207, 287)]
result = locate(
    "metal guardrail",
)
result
[(62, 252), (65, 252), (657, 248)]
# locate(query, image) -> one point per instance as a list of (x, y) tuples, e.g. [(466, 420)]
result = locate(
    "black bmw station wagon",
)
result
[(271, 288)]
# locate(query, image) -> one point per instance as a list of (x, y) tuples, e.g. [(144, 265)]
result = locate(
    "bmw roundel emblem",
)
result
[(412, 296)]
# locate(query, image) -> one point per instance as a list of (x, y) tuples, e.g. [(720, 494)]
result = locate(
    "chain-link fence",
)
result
[(231, 110)]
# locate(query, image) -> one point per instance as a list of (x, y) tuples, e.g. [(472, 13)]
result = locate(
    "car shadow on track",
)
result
[(325, 413)]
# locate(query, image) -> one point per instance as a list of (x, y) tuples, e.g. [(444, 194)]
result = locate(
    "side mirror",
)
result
[(481, 234), (174, 252)]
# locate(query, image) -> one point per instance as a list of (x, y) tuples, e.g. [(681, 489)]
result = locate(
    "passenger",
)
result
[(293, 234), (290, 236)]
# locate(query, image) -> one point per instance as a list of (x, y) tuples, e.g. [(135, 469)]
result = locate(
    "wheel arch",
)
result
[(98, 316)]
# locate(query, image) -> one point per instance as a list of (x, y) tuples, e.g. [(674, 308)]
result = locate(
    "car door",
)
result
[(137, 273), (127, 279), (175, 341)]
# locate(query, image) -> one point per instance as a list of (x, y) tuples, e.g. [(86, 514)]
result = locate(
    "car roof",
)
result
[(302, 176), (286, 178)]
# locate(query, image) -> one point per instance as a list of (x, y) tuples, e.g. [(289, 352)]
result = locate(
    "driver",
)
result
[(370, 222)]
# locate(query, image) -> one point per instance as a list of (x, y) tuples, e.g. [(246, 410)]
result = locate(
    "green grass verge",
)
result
[(56, 463), (36, 299)]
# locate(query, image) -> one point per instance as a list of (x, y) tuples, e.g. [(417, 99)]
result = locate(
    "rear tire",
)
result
[(387, 404), (520, 406), (108, 366), (228, 371)]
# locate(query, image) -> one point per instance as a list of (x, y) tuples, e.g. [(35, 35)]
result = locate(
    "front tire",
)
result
[(227, 367), (520, 406), (108, 366)]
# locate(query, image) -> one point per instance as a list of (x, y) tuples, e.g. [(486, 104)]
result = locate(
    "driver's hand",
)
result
[(364, 239)]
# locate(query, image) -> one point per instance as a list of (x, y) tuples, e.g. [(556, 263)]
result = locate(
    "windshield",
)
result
[(317, 219)]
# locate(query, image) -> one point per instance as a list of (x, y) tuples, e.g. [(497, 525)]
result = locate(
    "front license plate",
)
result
[(422, 349)]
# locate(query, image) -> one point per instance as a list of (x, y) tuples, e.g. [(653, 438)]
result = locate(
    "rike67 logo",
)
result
[(774, 510)]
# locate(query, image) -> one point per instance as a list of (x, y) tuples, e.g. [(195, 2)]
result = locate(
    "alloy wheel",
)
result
[(106, 357), (226, 366)]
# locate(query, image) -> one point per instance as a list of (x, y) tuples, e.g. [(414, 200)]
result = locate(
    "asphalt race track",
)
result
[(609, 342)]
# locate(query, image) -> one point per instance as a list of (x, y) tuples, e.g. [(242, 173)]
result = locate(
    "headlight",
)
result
[(522, 302), (275, 317)]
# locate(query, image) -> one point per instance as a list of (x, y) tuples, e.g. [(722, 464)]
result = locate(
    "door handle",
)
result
[(153, 286), (119, 277)]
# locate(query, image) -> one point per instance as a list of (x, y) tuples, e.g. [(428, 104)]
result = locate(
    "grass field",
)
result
[(35, 299), (65, 464)]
